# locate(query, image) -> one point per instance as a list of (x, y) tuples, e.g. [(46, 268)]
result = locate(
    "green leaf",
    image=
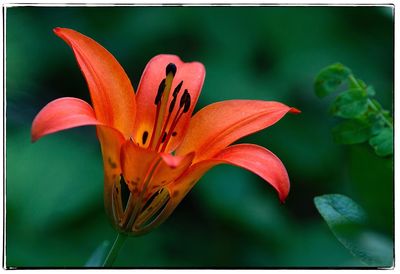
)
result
[(350, 104), (376, 104), (99, 255), (330, 78), (377, 122), (383, 142), (351, 132), (358, 83), (370, 91), (347, 221)]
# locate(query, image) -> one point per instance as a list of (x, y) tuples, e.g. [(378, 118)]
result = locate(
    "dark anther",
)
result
[(183, 98), (185, 101), (171, 68), (164, 137), (174, 134), (172, 105), (124, 192), (187, 104), (144, 137), (177, 89), (160, 91)]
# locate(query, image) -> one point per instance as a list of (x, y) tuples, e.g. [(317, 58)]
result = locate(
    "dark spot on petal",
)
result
[(174, 134), (175, 193), (112, 164), (144, 137)]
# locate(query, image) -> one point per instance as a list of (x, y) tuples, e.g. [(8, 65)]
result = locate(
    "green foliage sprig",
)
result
[(366, 120)]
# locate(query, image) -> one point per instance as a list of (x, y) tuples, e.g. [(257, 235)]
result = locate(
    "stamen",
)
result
[(171, 68), (163, 137), (162, 105), (174, 94), (185, 101), (172, 127), (160, 92), (172, 105), (157, 102), (154, 126), (171, 108), (177, 89), (184, 106), (136, 204)]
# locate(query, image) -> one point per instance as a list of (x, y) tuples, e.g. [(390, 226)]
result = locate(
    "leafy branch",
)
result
[(365, 119)]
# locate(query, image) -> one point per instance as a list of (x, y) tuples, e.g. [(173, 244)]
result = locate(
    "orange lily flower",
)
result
[(153, 150)]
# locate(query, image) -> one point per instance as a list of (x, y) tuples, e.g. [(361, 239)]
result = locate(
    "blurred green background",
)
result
[(54, 206)]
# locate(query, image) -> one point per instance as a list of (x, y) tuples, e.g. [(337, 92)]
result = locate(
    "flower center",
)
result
[(163, 129)]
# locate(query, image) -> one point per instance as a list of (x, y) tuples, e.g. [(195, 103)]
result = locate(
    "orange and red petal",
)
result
[(60, 114), (170, 168), (142, 167), (254, 158), (111, 141), (260, 161), (137, 165), (218, 125), (110, 89), (192, 74)]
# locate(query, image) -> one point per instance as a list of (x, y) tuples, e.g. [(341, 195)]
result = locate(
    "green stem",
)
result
[(370, 103), (112, 254), (354, 81)]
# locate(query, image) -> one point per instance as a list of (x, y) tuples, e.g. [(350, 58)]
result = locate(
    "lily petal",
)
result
[(218, 125), (192, 74), (137, 165), (170, 168), (140, 165), (251, 157), (111, 91), (256, 159), (146, 172), (260, 161), (60, 114), (111, 141)]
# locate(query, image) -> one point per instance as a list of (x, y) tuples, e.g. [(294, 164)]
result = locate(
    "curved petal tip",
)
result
[(61, 114), (295, 111)]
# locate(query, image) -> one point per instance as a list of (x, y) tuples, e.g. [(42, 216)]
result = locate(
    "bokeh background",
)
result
[(231, 219)]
